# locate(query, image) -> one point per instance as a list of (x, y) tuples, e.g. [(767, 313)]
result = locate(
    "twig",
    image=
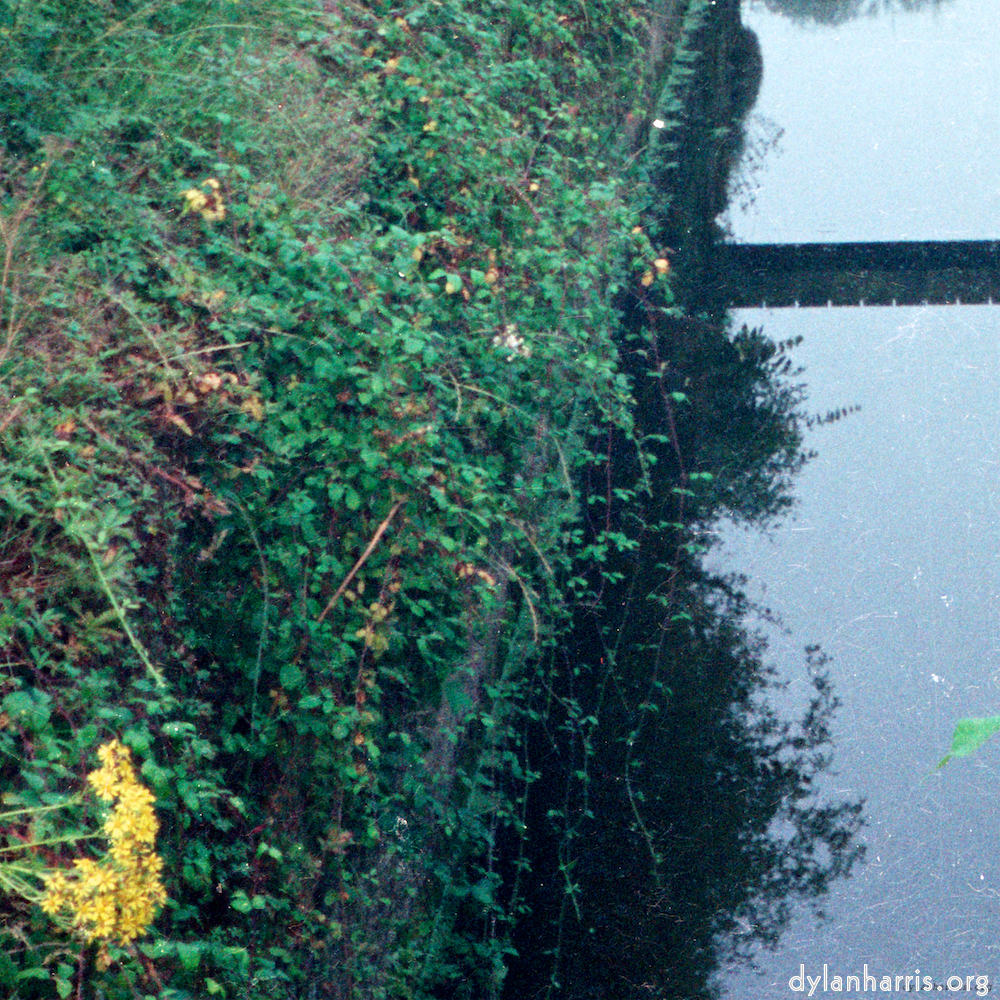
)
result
[(379, 532), (91, 546), (535, 626), (11, 417), (209, 350)]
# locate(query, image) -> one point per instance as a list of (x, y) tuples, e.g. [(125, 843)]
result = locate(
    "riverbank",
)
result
[(320, 304)]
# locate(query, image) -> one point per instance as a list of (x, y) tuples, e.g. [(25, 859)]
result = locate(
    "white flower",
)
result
[(511, 341)]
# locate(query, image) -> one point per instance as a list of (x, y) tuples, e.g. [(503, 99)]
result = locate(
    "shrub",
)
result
[(308, 325)]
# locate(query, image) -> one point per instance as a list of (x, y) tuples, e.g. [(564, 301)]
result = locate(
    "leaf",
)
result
[(33, 973), (178, 421), (459, 700), (239, 901), (178, 729), (189, 954), (290, 676), (970, 735), (482, 892)]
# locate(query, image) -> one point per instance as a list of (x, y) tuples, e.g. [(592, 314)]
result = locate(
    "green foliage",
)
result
[(340, 382), (970, 735), (307, 324)]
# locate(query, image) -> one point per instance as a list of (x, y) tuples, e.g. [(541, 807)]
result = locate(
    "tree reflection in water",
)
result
[(675, 823), (838, 11), (685, 813)]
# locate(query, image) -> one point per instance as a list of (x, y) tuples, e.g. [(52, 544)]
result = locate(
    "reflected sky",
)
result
[(891, 127), (892, 562)]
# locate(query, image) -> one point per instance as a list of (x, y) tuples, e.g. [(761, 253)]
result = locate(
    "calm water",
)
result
[(892, 563)]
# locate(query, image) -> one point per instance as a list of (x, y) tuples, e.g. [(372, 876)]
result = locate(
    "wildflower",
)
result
[(105, 783), (207, 203), (116, 897), (57, 894), (511, 341)]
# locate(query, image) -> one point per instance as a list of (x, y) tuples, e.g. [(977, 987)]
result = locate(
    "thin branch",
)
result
[(535, 624), (91, 546), (376, 538)]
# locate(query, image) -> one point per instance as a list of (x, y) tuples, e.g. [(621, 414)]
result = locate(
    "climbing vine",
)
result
[(308, 318)]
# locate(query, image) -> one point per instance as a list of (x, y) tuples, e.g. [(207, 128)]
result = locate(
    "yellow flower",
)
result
[(105, 783), (118, 826), (135, 797), (116, 897), (208, 204), (99, 880), (56, 896), (109, 753)]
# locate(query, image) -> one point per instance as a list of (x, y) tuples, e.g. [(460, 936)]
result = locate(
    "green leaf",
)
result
[(29, 708), (458, 698), (64, 980), (290, 676), (240, 902), (156, 949), (189, 954), (138, 739), (178, 729), (482, 892), (970, 735), (33, 973)]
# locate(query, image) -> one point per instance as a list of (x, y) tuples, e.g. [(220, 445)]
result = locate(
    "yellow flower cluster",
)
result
[(207, 203), (117, 897), (662, 266)]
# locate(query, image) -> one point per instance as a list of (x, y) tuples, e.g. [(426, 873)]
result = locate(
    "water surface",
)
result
[(891, 563)]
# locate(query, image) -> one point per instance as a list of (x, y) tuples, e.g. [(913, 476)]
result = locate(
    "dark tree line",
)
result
[(834, 12), (675, 823)]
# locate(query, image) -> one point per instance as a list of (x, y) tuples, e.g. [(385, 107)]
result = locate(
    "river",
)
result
[(889, 130)]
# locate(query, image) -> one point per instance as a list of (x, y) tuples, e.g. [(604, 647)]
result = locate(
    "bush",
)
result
[(308, 328)]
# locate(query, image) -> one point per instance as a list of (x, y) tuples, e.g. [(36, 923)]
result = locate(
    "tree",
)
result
[(833, 12)]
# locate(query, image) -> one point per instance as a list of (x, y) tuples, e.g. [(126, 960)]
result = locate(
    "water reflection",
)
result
[(831, 12), (675, 819), (892, 565), (892, 562)]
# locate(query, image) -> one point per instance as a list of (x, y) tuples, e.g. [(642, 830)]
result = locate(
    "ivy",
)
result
[(309, 319)]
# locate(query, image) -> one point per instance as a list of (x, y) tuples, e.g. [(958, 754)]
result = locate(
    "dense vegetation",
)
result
[(838, 11), (340, 387)]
